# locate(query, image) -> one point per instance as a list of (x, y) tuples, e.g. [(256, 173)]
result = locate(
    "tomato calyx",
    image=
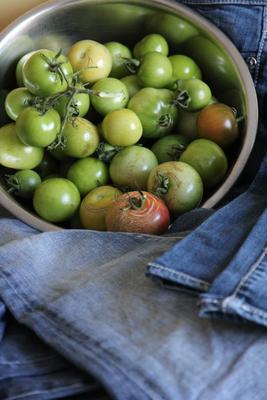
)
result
[(55, 66), (135, 203), (131, 64), (165, 120), (12, 183), (238, 119), (182, 98), (162, 185), (105, 152), (176, 150)]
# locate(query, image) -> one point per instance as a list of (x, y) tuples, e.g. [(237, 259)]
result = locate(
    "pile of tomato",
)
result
[(116, 138)]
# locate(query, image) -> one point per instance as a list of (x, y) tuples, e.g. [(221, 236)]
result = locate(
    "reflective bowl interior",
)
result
[(58, 24)]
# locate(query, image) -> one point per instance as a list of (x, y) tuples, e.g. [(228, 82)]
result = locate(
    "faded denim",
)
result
[(80, 314)]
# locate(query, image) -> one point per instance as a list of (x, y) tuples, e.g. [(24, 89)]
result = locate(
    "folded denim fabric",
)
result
[(29, 369), (225, 257), (86, 295)]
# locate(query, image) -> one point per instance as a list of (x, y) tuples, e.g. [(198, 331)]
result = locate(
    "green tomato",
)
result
[(87, 174), (155, 70), (44, 72), (132, 84), (112, 95), (118, 53), (16, 101), (183, 67), (19, 68), (80, 138), (156, 111), (122, 127), (170, 148), (151, 42), (56, 199), (177, 184), (208, 159), (187, 124), (15, 154), (35, 128), (193, 94), (131, 166), (78, 106), (23, 183)]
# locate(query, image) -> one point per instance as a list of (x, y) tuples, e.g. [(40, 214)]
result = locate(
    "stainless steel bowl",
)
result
[(57, 24)]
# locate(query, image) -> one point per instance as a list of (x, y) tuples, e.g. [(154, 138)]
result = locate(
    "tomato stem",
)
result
[(131, 64), (12, 183), (165, 120), (135, 203), (163, 183), (106, 154), (175, 151), (183, 99)]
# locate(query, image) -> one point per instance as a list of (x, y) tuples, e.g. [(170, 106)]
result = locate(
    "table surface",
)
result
[(11, 9)]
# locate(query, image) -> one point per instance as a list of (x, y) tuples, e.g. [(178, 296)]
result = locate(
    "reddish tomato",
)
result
[(217, 122), (139, 212)]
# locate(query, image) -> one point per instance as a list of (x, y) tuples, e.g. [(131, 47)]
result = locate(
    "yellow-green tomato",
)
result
[(56, 199), (87, 174), (122, 127), (16, 101), (95, 205), (111, 94), (80, 138), (178, 184), (131, 166), (91, 59), (15, 154), (208, 159)]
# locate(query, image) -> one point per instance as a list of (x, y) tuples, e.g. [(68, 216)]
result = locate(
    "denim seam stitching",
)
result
[(55, 390), (243, 281), (184, 277), (261, 45), (69, 337)]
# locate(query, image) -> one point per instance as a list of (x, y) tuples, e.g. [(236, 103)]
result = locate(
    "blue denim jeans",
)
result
[(80, 313)]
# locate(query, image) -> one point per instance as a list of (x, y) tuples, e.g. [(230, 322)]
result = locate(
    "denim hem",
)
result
[(239, 301), (231, 307), (179, 278), (103, 366)]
